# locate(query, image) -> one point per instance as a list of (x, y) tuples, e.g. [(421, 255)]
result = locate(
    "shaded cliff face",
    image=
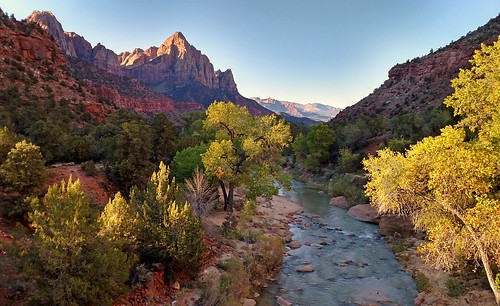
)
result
[(423, 82), (175, 69), (33, 67)]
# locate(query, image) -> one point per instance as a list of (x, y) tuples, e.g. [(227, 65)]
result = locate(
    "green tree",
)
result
[(50, 137), (71, 262), (314, 149), (193, 132), (449, 183), (169, 229), (350, 162), (119, 222), (186, 161), (299, 146), (163, 138), (130, 152), (24, 168), (244, 146), (8, 140), (80, 148)]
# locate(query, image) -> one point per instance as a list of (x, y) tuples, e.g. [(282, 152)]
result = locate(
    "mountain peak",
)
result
[(175, 44), (47, 21), (179, 35)]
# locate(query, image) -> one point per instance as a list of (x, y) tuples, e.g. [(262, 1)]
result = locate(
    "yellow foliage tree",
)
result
[(449, 184), (246, 150)]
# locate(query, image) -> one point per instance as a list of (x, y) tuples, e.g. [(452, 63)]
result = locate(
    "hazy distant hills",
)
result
[(313, 111)]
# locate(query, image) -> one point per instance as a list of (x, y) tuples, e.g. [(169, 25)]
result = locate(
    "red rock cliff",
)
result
[(414, 86)]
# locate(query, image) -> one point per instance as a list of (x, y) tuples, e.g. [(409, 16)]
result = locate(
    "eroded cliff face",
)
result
[(423, 82), (175, 63), (49, 23), (175, 69), (32, 60)]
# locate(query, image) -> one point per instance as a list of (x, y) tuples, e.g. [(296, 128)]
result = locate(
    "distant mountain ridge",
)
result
[(314, 111), (423, 82), (175, 69)]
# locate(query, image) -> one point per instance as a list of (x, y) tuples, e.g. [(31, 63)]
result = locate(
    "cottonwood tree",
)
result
[(449, 184), (246, 150)]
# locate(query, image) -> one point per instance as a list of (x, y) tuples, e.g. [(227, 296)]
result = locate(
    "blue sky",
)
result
[(326, 51)]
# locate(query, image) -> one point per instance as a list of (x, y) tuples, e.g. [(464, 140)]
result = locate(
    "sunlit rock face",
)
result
[(175, 69), (418, 84)]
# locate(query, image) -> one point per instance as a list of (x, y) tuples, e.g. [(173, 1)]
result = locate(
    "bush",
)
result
[(268, 252), (235, 283), (455, 288), (24, 169), (350, 162), (348, 187), (168, 227), (211, 288), (70, 262), (422, 282), (399, 144), (89, 168)]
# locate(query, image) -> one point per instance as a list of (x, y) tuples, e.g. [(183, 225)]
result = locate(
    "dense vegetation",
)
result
[(81, 253), (156, 221), (448, 184)]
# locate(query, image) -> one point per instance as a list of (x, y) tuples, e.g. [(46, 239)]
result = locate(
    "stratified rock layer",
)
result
[(175, 69), (416, 85)]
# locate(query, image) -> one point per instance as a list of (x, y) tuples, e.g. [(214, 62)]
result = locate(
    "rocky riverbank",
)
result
[(249, 244), (436, 287)]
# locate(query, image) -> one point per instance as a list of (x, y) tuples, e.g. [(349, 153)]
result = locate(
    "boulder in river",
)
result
[(340, 202), (294, 245), (282, 302), (393, 225), (305, 269), (365, 213), (249, 302)]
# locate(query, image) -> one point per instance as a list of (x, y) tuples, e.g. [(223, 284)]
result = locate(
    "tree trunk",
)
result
[(231, 196), (489, 273), (224, 193), (485, 259)]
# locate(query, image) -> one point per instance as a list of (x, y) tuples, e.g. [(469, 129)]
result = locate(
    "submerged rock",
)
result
[(340, 202), (282, 302), (305, 269)]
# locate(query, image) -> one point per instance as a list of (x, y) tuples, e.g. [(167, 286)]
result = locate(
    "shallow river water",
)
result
[(352, 264)]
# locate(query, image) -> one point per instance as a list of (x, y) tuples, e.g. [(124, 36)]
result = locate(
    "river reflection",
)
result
[(352, 263)]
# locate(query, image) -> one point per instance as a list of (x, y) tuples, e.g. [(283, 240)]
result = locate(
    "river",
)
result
[(352, 263)]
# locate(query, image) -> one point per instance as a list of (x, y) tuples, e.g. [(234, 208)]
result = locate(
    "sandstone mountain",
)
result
[(33, 69), (423, 82), (314, 111), (175, 69)]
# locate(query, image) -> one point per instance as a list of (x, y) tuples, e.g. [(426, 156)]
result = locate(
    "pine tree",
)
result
[(72, 263), (168, 227), (118, 222), (24, 168)]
